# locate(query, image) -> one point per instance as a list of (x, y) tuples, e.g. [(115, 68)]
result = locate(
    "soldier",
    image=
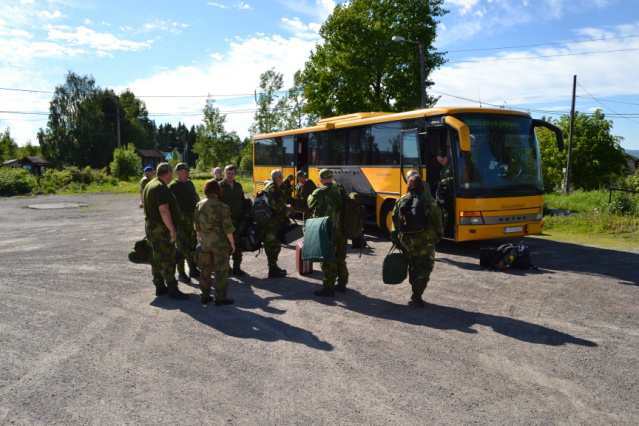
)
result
[(444, 191), (215, 235), (216, 173), (328, 200), (287, 188), (271, 231), (161, 212), (149, 174), (187, 198), (303, 190), (233, 196), (417, 224)]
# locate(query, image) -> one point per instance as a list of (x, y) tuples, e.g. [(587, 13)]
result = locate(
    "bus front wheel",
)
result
[(386, 217)]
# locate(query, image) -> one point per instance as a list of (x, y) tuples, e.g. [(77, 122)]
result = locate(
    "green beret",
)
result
[(181, 166), (326, 174), (163, 168)]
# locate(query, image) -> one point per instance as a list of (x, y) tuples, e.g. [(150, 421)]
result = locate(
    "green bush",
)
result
[(73, 179), (126, 163), (632, 182), (623, 204), (16, 182)]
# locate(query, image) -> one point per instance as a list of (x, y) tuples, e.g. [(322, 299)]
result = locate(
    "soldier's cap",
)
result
[(163, 168), (301, 174), (229, 167), (181, 166), (276, 173), (148, 169), (411, 173), (326, 174)]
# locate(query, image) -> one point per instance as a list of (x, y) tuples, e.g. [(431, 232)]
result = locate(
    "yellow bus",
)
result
[(490, 158)]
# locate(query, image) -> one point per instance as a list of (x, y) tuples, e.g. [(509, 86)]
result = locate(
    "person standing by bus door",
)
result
[(303, 190), (417, 228), (444, 191)]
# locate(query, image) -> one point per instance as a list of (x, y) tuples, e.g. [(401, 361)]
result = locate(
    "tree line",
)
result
[(356, 67)]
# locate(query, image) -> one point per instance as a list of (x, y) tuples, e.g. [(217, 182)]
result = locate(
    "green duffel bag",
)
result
[(318, 240), (395, 268), (142, 252)]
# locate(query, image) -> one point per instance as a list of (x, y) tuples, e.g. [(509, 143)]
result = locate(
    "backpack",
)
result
[(248, 239), (353, 213), (142, 252), (262, 211), (506, 256), (413, 212)]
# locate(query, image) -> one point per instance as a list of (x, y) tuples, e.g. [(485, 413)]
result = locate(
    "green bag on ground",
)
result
[(395, 267), (318, 240)]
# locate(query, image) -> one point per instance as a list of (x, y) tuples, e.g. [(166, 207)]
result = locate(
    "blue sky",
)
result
[(207, 47)]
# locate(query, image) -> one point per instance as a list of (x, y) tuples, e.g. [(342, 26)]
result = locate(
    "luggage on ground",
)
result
[(318, 240), (142, 252), (304, 267), (506, 256)]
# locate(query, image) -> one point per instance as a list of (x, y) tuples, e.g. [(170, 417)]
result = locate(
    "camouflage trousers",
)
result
[(272, 244), (336, 269), (420, 251), (210, 262), (163, 259), (186, 243)]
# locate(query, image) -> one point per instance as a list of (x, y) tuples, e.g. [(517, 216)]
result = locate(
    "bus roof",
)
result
[(364, 118)]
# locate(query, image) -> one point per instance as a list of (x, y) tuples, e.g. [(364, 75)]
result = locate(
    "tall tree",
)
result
[(136, 128), (293, 115), (597, 157), (214, 146), (268, 117), (358, 67), (8, 147)]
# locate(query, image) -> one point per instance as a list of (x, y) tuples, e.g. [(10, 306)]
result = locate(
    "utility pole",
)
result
[(568, 176)]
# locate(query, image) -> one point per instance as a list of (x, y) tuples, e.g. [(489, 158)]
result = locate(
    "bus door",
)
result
[(437, 156), (411, 157)]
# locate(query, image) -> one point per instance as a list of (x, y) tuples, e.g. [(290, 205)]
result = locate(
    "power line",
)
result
[(550, 43), (613, 101), (601, 104), (600, 52), (202, 96)]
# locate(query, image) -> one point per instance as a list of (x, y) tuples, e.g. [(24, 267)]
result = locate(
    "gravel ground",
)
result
[(83, 340)]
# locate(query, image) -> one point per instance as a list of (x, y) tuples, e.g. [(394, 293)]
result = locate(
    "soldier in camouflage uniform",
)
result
[(287, 188), (418, 244), (270, 233), (303, 190), (444, 191), (161, 212), (328, 200), (149, 174), (187, 198), (215, 229), (233, 196)]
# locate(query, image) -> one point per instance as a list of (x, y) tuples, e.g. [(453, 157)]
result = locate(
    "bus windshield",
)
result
[(504, 157)]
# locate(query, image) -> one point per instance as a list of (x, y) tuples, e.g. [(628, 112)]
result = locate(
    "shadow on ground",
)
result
[(434, 316), (550, 256), (237, 322)]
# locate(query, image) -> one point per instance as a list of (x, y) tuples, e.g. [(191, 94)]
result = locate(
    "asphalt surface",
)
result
[(83, 339)]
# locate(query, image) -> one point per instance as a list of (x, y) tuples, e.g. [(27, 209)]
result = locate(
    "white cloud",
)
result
[(45, 14), (240, 5), (101, 42), (464, 6), (162, 25), (301, 29), (317, 9), (506, 77)]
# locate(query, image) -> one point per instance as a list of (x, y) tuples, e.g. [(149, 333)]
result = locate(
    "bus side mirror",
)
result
[(556, 130), (462, 129)]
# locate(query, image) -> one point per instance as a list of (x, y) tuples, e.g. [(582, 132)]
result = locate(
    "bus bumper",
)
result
[(496, 232)]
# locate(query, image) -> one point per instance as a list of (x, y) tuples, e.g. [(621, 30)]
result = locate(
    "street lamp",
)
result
[(422, 64)]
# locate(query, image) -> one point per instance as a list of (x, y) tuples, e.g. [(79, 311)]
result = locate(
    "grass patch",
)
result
[(595, 221)]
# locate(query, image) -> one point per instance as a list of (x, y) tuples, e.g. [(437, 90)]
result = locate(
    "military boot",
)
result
[(194, 272), (175, 293), (417, 301), (205, 298), (276, 272), (221, 299), (341, 287), (160, 289)]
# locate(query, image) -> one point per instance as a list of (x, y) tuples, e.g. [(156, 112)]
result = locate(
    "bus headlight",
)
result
[(471, 218)]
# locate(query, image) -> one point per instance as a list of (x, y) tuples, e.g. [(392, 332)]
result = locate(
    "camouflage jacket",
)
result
[(434, 229), (213, 223), (233, 196), (155, 194), (277, 202), (328, 201)]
